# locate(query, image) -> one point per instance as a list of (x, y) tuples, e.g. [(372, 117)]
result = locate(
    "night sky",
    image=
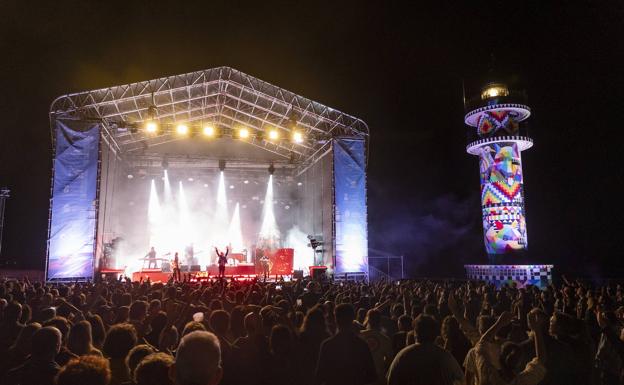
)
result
[(399, 68)]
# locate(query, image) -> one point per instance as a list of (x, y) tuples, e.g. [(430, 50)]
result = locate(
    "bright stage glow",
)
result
[(151, 127), (208, 131), (154, 213), (186, 227), (182, 129), (168, 195), (304, 255), (269, 233), (221, 215), (273, 134), (235, 234), (243, 133), (297, 137), (246, 182)]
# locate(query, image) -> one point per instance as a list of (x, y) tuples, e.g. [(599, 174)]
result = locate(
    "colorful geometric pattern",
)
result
[(493, 122), (521, 275), (504, 224)]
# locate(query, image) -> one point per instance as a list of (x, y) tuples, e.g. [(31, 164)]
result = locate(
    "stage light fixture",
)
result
[(182, 129), (222, 165), (190, 179), (297, 137), (130, 176), (299, 184), (243, 133), (273, 134), (231, 186), (271, 169), (208, 131), (205, 184), (246, 182), (151, 127)]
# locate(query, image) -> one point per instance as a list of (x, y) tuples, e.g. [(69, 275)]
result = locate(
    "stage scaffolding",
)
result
[(226, 99)]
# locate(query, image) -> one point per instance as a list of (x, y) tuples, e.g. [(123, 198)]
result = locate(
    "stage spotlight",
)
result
[(208, 131), (231, 186), (243, 133), (182, 129), (190, 179), (151, 127), (222, 165), (297, 137), (205, 184), (273, 134), (299, 184), (130, 176), (271, 169), (246, 182)]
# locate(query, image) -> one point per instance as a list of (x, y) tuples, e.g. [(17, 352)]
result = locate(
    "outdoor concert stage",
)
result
[(195, 163)]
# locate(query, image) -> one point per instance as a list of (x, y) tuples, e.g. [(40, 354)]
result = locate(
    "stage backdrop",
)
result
[(350, 206), (73, 207)]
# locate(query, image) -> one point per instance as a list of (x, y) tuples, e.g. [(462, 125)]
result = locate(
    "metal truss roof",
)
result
[(224, 97)]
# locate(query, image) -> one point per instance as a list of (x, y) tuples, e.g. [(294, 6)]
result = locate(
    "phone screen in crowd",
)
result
[(278, 287), (299, 302)]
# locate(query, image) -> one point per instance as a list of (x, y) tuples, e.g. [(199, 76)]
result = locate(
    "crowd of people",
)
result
[(309, 332)]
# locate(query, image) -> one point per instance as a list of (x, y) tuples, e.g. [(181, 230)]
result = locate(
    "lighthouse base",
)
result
[(518, 275)]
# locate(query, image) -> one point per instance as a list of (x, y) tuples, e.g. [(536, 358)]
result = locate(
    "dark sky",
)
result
[(397, 67)]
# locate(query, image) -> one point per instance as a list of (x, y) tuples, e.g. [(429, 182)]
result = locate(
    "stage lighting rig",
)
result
[(243, 133), (165, 163), (208, 131), (222, 165), (151, 126), (271, 169), (297, 137), (182, 129), (273, 134)]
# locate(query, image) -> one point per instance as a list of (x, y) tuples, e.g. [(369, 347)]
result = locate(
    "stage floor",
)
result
[(156, 275)]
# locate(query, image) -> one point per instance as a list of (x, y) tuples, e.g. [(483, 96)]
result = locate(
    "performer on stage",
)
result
[(176, 268), (264, 262), (151, 256), (222, 260)]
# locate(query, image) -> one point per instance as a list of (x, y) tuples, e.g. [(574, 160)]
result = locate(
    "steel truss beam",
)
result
[(222, 96)]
